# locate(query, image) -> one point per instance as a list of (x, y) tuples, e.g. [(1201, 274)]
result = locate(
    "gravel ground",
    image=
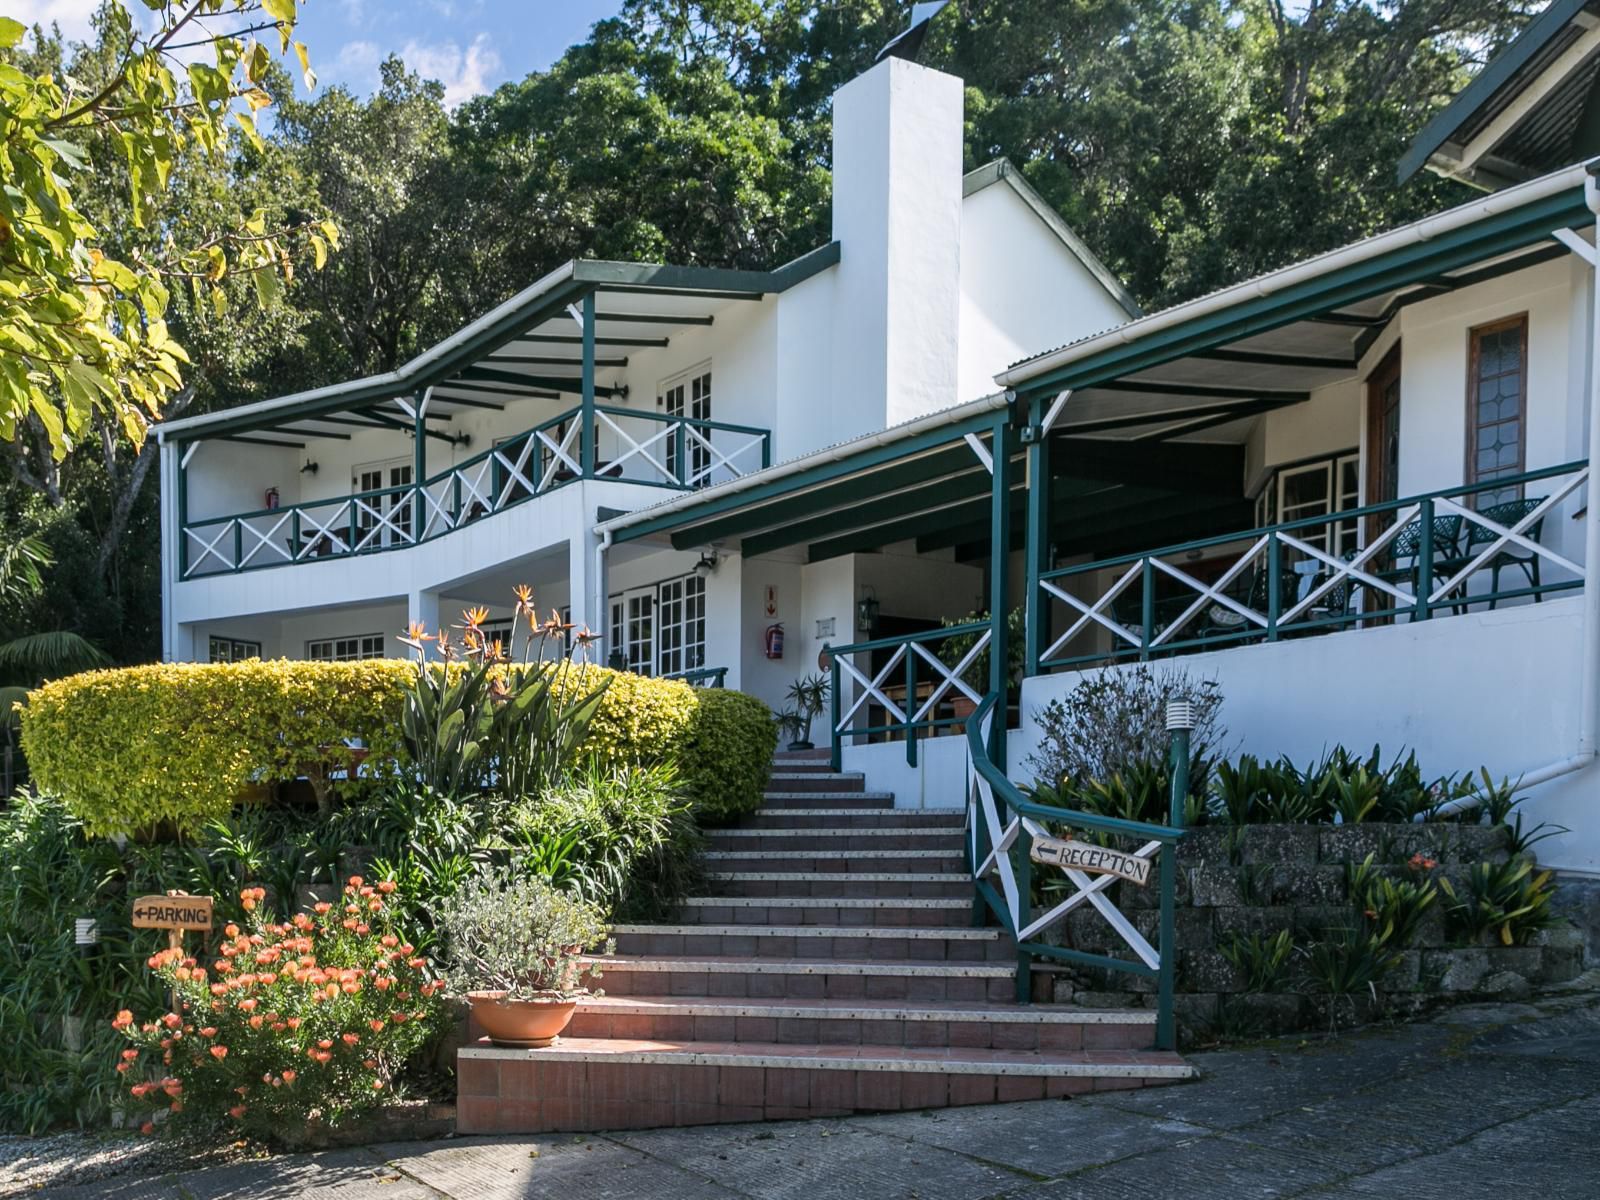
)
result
[(30, 1164)]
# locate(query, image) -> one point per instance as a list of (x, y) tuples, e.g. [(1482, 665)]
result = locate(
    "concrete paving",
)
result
[(1478, 1102)]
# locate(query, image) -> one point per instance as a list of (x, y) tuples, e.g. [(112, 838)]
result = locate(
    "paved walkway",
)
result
[(1481, 1102)]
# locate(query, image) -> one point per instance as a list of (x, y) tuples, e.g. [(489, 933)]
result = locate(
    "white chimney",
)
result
[(897, 158)]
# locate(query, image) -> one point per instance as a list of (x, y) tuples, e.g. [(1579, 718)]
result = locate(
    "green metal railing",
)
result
[(711, 677), (911, 666), (1000, 815), (675, 452), (1411, 559)]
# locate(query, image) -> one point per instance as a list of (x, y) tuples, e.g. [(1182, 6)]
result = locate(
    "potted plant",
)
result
[(807, 697), (976, 676), (516, 948)]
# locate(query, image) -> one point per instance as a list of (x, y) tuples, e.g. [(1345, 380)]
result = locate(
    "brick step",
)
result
[(858, 801), (785, 760), (889, 886), (854, 1022), (912, 837), (817, 781), (850, 911), (813, 942), (836, 979), (949, 820), (877, 862), (812, 798), (606, 1083)]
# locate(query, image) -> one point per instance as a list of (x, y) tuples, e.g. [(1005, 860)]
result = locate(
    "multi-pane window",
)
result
[(1497, 387), (689, 395), (233, 650), (682, 619), (346, 649), (632, 645), (1315, 489), (385, 519)]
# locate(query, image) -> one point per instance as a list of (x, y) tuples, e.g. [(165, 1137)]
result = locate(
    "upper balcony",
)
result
[(625, 445), (632, 374)]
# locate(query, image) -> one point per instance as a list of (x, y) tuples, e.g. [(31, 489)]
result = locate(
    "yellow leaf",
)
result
[(305, 65)]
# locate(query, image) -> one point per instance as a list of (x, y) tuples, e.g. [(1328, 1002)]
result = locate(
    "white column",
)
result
[(581, 582), (422, 607), (170, 535)]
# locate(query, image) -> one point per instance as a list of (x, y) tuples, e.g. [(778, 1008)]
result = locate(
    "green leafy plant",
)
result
[(1255, 883), (806, 698), (519, 935), (1354, 796), (954, 649), (1116, 718), (1506, 899), (1263, 959), (1393, 909), (307, 1020), (1348, 961)]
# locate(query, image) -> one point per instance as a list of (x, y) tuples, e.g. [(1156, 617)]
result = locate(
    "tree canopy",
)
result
[(1190, 142)]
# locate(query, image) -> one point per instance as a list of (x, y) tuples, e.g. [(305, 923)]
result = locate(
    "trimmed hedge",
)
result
[(177, 744)]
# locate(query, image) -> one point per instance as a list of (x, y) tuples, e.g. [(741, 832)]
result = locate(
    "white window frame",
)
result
[(693, 401), (398, 508), (681, 624), (625, 615), (364, 646), (237, 649)]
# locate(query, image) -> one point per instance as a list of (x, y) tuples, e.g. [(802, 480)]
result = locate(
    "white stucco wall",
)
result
[(1498, 690), (1022, 289)]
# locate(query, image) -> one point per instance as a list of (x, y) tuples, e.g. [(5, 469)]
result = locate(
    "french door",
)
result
[(633, 631), (688, 395), (659, 630), (383, 520)]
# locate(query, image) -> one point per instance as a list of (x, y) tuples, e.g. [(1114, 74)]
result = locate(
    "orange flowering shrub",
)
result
[(308, 1020)]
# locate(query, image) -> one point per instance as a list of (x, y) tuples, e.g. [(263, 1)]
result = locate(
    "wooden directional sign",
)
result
[(172, 912), (1093, 860)]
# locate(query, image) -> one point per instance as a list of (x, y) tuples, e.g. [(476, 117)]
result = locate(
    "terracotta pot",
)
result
[(525, 1023)]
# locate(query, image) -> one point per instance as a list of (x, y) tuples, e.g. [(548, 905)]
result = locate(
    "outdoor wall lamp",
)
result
[(309, 469), (867, 611), (707, 565)]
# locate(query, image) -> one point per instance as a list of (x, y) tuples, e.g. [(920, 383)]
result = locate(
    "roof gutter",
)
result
[(1267, 285), (784, 470)]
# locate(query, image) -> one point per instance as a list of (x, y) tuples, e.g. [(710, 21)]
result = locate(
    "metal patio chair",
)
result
[(1506, 514)]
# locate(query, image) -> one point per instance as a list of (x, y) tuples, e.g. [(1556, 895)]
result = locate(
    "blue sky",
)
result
[(470, 46)]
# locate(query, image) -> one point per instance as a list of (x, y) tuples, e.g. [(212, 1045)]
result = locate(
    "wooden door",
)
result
[(1383, 431)]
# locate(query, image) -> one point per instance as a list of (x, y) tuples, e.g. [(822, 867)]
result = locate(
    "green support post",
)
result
[(1147, 619), (1036, 629), (1424, 570), (834, 735), (419, 467), (1274, 585), (238, 544), (999, 583), (680, 451), (911, 707), (1180, 719), (587, 433)]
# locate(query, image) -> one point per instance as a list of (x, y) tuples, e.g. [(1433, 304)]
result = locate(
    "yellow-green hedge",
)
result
[(178, 743)]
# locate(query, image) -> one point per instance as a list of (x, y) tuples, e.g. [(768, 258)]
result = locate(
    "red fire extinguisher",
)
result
[(272, 498), (774, 640)]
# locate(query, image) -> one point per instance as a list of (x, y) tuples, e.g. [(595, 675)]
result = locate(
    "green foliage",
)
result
[(1349, 961), (954, 649), (1117, 718), (1263, 959), (726, 757), (177, 745), (513, 933), (806, 698), (303, 1021), (1505, 899), (84, 334), (1392, 908), (622, 835), (1339, 787)]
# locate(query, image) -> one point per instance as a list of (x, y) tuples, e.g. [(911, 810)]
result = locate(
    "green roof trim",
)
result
[(1003, 170), (1302, 291), (1496, 74), (535, 304)]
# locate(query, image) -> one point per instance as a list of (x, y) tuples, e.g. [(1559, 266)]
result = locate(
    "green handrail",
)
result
[(1010, 801), (417, 494), (1435, 552), (911, 728)]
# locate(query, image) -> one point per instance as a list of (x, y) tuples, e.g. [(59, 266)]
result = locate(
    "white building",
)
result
[(1354, 491), (296, 527)]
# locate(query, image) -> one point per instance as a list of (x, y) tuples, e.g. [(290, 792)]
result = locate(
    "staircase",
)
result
[(831, 969)]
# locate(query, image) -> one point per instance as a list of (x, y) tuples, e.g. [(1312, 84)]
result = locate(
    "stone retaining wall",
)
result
[(1260, 879)]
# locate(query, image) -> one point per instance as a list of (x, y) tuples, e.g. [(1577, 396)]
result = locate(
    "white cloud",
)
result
[(464, 73), (72, 15), (356, 65)]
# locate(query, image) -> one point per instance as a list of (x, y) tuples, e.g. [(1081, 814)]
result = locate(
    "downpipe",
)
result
[(1589, 658)]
